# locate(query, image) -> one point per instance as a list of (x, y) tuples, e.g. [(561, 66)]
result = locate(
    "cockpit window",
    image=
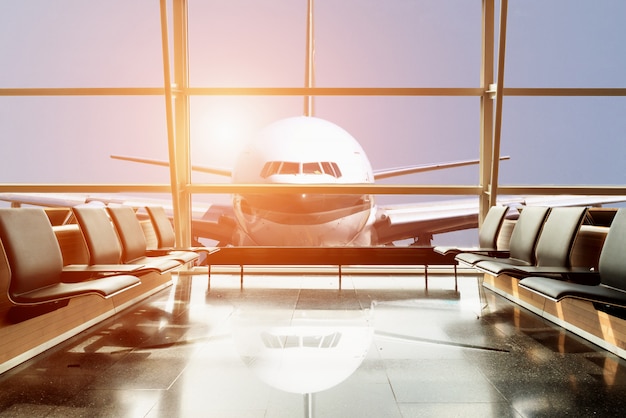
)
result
[(290, 168), (286, 167), (311, 168), (271, 167), (337, 170), (328, 169)]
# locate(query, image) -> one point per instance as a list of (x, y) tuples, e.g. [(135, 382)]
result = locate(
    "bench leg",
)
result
[(426, 276), (481, 293), (208, 288), (339, 276), (241, 277)]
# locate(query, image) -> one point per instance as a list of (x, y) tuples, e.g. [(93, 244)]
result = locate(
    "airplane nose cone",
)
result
[(301, 219)]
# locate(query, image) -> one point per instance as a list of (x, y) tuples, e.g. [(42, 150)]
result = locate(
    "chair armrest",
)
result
[(157, 252), (476, 250), (494, 253), (101, 268), (539, 270)]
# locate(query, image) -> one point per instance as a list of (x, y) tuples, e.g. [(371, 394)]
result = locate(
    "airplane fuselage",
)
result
[(303, 150)]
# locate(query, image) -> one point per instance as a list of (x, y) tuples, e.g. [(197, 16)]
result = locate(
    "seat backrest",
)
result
[(31, 248), (99, 234), (612, 263), (162, 226), (526, 233), (489, 230), (130, 232), (558, 235)]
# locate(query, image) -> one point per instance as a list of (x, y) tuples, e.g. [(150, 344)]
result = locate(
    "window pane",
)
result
[(70, 139), (564, 140), (405, 131), (247, 43), (374, 43), (564, 43), (69, 43)]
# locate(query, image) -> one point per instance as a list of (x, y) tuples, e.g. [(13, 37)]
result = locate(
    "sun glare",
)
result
[(225, 133), (219, 135)]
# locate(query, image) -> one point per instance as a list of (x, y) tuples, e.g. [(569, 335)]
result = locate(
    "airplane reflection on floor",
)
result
[(432, 352), (303, 351)]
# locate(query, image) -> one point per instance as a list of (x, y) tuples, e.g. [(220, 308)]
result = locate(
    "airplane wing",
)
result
[(393, 223), (209, 221), (421, 221), (226, 172), (401, 171), (378, 174), (418, 222)]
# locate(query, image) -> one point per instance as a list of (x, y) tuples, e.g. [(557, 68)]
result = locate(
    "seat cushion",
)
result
[(558, 289), (104, 287)]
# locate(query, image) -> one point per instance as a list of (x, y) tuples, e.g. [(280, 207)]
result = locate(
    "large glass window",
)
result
[(64, 136)]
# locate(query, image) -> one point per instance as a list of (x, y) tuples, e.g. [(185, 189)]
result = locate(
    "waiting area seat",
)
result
[(134, 245), (553, 249), (166, 239), (487, 235), (125, 245), (523, 240), (611, 289), (35, 262)]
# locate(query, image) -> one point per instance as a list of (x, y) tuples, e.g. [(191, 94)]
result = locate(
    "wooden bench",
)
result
[(329, 256)]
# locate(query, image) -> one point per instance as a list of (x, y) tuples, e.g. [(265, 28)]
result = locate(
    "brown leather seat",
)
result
[(36, 263)]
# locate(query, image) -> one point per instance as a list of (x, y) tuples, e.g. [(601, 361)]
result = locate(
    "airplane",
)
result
[(310, 150)]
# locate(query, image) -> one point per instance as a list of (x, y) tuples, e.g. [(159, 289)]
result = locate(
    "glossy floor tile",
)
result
[(385, 345)]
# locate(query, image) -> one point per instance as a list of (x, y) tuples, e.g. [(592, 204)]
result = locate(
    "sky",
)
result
[(358, 43)]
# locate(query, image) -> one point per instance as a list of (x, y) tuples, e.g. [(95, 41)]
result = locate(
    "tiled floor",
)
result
[(385, 345)]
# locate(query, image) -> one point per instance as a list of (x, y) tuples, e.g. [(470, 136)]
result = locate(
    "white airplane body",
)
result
[(303, 150)]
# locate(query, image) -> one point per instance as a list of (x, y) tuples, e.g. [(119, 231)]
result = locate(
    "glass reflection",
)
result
[(303, 351)]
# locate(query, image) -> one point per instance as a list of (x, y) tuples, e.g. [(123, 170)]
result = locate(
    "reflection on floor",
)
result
[(383, 346)]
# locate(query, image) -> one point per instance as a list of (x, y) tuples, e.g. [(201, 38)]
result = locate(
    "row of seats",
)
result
[(540, 256), (611, 273), (114, 236), (166, 239), (118, 255), (37, 274)]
